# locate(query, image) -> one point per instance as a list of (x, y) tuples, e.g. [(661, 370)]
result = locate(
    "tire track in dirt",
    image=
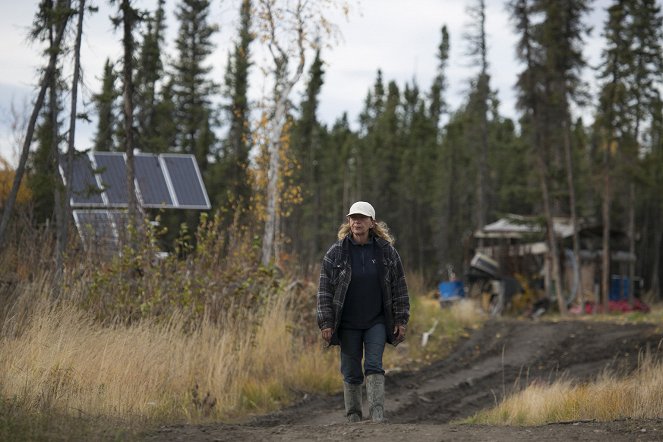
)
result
[(507, 355), (500, 358)]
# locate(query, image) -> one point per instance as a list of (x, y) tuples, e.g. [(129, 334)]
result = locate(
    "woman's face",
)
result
[(360, 224)]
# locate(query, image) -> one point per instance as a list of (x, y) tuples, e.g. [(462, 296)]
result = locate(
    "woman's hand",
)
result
[(399, 332), (327, 334)]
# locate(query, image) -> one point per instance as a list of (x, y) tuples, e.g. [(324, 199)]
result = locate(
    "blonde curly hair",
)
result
[(379, 229)]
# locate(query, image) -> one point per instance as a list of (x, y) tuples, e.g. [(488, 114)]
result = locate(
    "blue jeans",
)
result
[(354, 343)]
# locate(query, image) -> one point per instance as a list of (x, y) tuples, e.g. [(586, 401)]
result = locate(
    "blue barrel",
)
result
[(618, 288), (451, 290)]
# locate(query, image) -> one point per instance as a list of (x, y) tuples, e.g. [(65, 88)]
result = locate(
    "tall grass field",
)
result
[(214, 336)]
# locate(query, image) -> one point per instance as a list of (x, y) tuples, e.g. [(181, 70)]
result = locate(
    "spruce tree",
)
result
[(230, 176), (437, 103), (644, 88), (192, 87), (42, 175), (63, 13), (650, 255), (419, 165), (456, 182), (613, 118), (165, 128), (306, 145), (439, 218), (148, 77), (338, 168), (105, 103), (478, 51), (561, 36), (381, 161), (531, 101)]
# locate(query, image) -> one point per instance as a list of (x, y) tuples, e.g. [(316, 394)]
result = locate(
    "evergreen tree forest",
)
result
[(434, 173)]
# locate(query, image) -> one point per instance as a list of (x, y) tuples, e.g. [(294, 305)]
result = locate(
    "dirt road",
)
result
[(504, 355)]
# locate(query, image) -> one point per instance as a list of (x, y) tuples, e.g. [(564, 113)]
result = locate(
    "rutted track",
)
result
[(502, 356)]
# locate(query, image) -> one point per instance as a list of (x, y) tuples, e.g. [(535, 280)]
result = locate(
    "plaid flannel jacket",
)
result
[(335, 276)]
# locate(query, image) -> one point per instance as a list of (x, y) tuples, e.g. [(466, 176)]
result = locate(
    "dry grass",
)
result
[(637, 396), (57, 359), (433, 331), (64, 362)]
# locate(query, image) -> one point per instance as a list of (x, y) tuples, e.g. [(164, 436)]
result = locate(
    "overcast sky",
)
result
[(400, 37)]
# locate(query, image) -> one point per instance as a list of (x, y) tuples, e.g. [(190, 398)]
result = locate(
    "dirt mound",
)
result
[(503, 356)]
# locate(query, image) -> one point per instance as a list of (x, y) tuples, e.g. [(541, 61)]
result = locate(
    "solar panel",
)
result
[(85, 190), (99, 229), (185, 181), (120, 220), (162, 181), (112, 169), (151, 182)]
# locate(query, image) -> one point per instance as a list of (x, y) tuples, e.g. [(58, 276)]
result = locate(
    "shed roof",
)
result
[(519, 226)]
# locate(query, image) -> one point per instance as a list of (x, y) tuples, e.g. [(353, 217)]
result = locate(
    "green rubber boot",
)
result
[(352, 397), (375, 395)]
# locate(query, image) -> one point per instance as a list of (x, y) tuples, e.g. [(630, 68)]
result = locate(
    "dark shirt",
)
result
[(362, 308)]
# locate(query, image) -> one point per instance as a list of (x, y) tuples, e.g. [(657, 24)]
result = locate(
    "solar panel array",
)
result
[(99, 189), (173, 181)]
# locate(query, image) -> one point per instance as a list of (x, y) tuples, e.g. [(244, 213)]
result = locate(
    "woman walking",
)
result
[(363, 303)]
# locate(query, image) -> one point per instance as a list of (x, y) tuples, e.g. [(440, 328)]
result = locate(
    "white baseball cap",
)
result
[(362, 208)]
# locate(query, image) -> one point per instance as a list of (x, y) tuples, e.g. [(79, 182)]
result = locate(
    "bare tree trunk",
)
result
[(572, 204), (631, 243), (552, 240), (347, 175), (655, 284), (128, 20), (483, 156), (605, 273), (450, 215), (272, 196), (66, 208), (274, 150), (483, 92), (44, 85), (58, 197)]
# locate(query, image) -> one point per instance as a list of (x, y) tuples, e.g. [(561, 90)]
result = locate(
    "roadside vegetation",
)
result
[(206, 333), (610, 396), (637, 396)]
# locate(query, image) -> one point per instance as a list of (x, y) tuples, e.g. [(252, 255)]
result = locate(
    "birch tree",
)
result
[(289, 29)]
